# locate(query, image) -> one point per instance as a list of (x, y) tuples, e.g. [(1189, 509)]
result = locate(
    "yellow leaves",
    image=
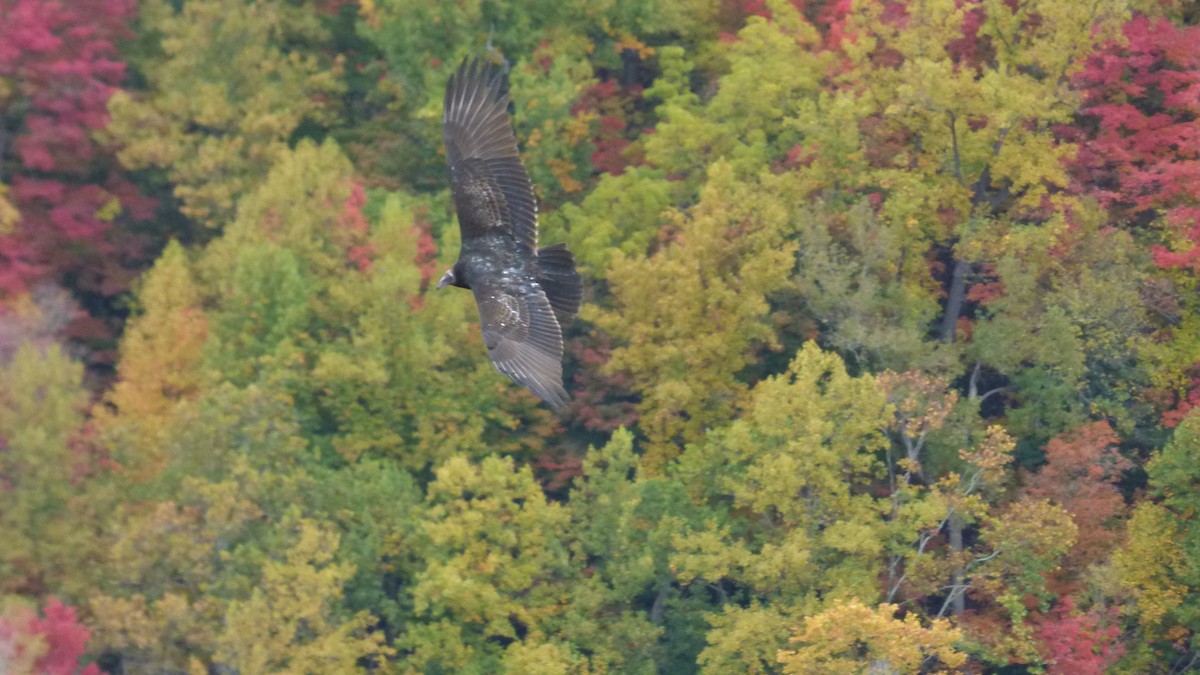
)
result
[(1065, 34), (298, 206), (791, 465), (289, 624), (992, 455), (744, 640), (1034, 162), (774, 68), (966, 114), (628, 41), (9, 215), (683, 344), (369, 12), (21, 646), (707, 554), (109, 210), (224, 99), (544, 658), (1043, 529), (1150, 564), (226, 572), (495, 542), (852, 637), (621, 214), (561, 169), (820, 416), (547, 111), (169, 630), (855, 537)]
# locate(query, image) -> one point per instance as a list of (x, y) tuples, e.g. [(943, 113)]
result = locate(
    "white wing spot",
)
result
[(513, 307)]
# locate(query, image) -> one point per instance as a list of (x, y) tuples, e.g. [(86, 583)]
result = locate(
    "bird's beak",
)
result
[(447, 278)]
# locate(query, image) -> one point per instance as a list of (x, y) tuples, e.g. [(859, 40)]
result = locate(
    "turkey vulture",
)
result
[(516, 284)]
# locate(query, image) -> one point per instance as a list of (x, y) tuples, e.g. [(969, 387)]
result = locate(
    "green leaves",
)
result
[(621, 216)]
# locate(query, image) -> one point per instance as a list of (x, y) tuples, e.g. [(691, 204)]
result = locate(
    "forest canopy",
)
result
[(889, 357)]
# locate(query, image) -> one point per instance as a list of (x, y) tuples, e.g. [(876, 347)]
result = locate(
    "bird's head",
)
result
[(447, 278)]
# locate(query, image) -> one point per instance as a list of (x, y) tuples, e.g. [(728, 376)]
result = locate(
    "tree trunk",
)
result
[(959, 602), (954, 300)]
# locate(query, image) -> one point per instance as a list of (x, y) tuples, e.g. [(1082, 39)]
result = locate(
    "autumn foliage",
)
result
[(52, 643), (889, 359), (63, 191)]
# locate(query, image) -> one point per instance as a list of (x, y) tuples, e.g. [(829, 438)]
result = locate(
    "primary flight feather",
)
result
[(517, 286)]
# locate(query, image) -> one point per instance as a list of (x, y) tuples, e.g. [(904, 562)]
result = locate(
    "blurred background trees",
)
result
[(889, 359)]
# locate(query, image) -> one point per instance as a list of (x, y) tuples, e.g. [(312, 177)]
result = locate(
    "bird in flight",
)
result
[(516, 284)]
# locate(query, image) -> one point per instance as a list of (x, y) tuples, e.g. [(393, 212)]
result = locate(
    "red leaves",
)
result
[(1079, 643), (827, 16), (62, 58), (610, 143), (756, 8), (61, 61), (67, 639), (63, 639), (426, 252), (354, 225), (971, 50), (615, 105), (988, 289), (1188, 400), (601, 402), (557, 468), (1144, 154), (1186, 222), (799, 155), (831, 20)]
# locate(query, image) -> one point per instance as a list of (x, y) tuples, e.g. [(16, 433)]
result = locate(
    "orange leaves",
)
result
[(1082, 468), (562, 169), (922, 402), (160, 359)]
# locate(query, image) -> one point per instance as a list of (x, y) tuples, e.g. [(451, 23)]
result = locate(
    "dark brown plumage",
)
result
[(516, 285)]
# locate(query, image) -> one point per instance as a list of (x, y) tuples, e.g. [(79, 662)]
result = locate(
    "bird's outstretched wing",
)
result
[(523, 337), (490, 187)]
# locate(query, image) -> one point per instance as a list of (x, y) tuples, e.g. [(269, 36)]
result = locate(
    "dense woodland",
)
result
[(889, 359)]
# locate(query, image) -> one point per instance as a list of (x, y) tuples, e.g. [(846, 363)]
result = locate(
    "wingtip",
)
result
[(475, 89), (551, 393), (557, 398)]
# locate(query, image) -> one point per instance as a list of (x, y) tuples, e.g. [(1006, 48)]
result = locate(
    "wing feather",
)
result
[(523, 337), (490, 186)]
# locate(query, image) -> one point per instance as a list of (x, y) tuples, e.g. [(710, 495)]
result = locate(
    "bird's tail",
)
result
[(558, 278)]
